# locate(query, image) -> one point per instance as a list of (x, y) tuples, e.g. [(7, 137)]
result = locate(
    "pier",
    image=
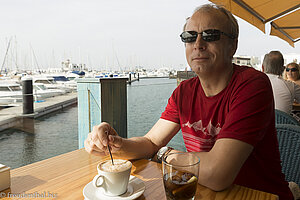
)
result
[(134, 78), (13, 116), (184, 75)]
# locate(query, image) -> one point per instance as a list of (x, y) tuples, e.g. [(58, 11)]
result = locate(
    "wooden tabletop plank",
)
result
[(296, 107), (65, 176)]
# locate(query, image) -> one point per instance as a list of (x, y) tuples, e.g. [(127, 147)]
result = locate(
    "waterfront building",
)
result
[(250, 61)]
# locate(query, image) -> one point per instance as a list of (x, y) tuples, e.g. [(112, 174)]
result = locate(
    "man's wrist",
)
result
[(161, 152)]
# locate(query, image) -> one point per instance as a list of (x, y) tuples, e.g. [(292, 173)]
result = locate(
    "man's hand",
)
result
[(97, 140), (131, 148)]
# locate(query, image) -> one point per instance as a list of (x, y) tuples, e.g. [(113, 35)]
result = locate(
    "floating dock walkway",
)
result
[(10, 117)]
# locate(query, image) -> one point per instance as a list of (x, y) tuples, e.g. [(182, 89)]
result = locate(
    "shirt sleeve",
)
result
[(171, 112), (250, 112)]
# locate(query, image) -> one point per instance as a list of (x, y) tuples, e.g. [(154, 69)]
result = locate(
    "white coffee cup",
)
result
[(113, 178)]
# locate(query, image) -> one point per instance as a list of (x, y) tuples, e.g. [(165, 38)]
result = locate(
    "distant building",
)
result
[(242, 60), (68, 66), (250, 61)]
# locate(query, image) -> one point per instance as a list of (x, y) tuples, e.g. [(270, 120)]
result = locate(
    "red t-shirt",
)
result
[(244, 110)]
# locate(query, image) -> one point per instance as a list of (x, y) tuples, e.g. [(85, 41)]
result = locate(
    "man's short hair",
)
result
[(273, 63), (233, 24)]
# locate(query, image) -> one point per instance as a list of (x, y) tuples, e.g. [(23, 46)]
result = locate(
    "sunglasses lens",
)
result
[(211, 35), (291, 69), (189, 36), (207, 35)]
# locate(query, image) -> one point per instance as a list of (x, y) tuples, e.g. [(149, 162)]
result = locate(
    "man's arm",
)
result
[(145, 147), (132, 148), (220, 166)]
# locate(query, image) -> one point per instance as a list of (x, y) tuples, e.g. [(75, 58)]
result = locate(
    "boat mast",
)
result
[(6, 54), (35, 59), (16, 59), (115, 54)]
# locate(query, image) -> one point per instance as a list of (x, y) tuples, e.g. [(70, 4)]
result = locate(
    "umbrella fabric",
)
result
[(284, 15), (288, 25)]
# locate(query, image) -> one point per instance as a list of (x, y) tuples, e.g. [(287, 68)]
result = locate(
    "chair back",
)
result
[(289, 147), (284, 118)]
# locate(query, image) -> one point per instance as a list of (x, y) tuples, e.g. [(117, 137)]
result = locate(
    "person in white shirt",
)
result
[(285, 92)]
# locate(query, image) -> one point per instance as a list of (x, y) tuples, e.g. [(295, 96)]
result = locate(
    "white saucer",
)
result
[(136, 188)]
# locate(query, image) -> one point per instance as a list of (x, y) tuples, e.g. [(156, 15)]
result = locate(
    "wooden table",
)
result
[(296, 107), (64, 177)]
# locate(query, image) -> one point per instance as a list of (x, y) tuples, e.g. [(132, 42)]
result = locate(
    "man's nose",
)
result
[(199, 43)]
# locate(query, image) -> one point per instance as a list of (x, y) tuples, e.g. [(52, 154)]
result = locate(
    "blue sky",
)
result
[(108, 34)]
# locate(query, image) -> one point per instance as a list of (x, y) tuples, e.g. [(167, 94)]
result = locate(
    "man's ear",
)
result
[(263, 69)]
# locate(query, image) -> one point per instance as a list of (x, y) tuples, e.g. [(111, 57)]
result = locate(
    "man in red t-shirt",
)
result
[(226, 113), (240, 112)]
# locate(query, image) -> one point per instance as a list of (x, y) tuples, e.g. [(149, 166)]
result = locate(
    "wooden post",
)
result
[(129, 79), (88, 91), (27, 92), (101, 100), (114, 104)]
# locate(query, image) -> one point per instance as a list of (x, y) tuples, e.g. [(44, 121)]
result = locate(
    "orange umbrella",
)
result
[(284, 15)]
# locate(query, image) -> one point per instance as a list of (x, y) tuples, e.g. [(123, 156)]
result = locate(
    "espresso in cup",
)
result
[(113, 178)]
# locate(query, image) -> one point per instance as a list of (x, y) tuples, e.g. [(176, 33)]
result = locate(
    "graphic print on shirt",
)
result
[(198, 137)]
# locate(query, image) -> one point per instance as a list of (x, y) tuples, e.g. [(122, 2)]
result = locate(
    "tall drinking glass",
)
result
[(180, 175)]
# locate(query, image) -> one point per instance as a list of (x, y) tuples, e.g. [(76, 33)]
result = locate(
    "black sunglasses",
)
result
[(209, 35), (291, 69)]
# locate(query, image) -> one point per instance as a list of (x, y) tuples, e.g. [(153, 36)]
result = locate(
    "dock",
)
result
[(10, 117), (184, 75), (134, 78)]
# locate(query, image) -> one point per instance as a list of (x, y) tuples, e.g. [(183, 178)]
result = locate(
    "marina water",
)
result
[(56, 133)]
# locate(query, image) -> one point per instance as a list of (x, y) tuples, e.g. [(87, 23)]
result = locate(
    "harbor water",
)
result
[(56, 133)]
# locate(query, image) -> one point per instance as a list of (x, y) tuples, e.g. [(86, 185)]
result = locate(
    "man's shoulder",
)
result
[(276, 78), (245, 73), (295, 85), (247, 70)]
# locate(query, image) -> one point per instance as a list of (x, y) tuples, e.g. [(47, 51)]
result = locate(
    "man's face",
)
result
[(204, 57)]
